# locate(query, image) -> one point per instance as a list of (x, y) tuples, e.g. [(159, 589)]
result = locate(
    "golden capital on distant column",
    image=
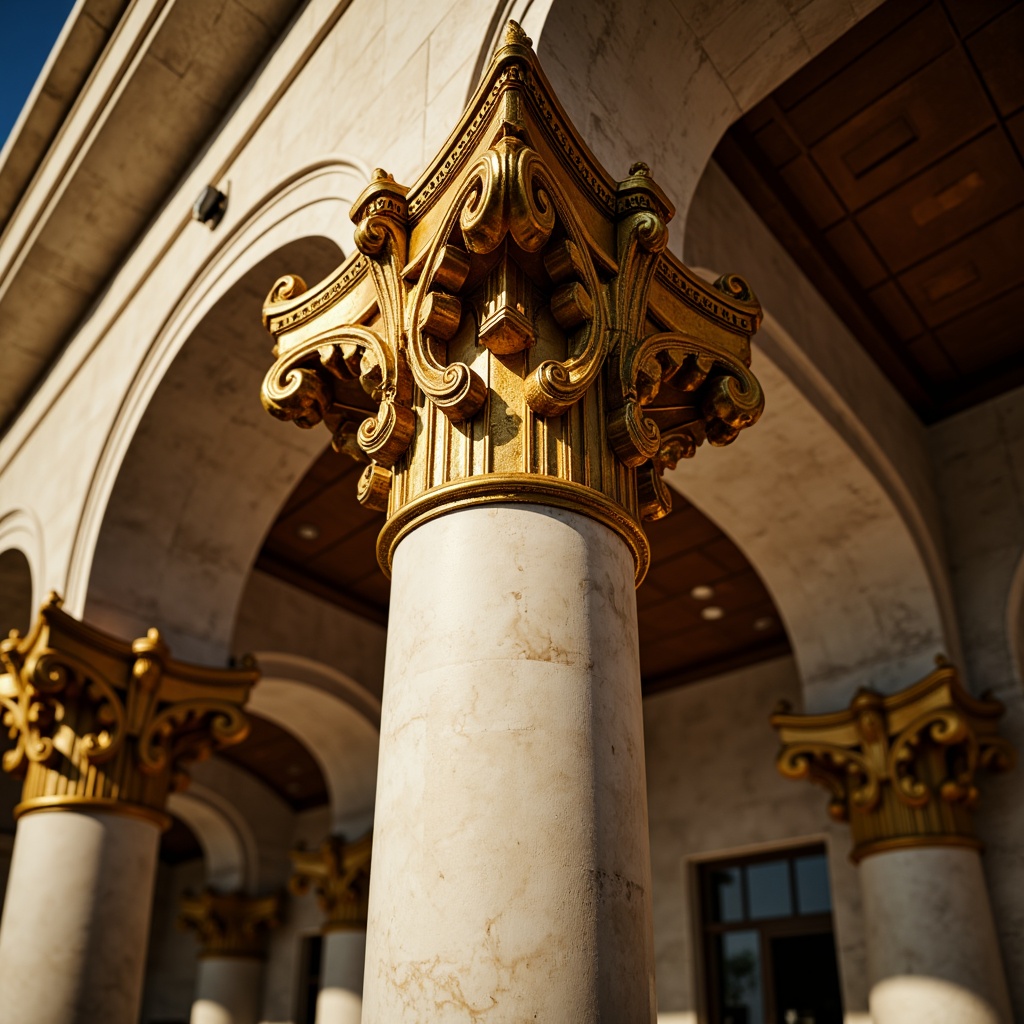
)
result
[(339, 873), (230, 924), (98, 722), (901, 768), (513, 328)]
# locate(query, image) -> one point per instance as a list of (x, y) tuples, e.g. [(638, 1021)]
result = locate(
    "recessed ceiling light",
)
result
[(764, 623), (702, 592), (308, 531), (711, 612)]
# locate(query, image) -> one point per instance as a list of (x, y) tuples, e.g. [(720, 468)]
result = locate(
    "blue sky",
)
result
[(29, 30)]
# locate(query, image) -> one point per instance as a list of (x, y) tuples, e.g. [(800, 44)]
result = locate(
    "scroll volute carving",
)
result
[(516, 274), (98, 720), (901, 769)]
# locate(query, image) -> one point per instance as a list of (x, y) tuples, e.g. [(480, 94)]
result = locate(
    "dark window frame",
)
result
[(793, 924)]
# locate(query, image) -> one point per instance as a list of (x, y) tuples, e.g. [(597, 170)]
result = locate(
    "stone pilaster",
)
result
[(901, 769), (339, 873)]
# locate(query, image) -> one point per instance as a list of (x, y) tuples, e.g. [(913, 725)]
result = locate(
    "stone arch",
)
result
[(336, 719), (194, 470), (21, 570), (845, 537), (230, 853)]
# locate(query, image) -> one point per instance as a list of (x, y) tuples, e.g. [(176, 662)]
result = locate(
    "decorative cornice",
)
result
[(512, 326), (100, 723), (900, 768), (230, 924), (339, 873)]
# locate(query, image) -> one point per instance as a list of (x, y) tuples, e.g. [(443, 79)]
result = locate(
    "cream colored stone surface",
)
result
[(933, 955), (229, 990), (511, 869), (341, 978), (713, 791), (275, 618), (87, 877), (834, 412)]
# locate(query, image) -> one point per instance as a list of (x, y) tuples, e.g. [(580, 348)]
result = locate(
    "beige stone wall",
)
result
[(979, 459), (713, 791)]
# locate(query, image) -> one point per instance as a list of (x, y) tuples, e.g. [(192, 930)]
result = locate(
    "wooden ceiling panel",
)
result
[(942, 106), (970, 15), (281, 762), (988, 336), (965, 275), (952, 198), (896, 57), (998, 50), (891, 169)]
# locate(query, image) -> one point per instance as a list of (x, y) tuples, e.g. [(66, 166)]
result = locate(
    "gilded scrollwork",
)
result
[(902, 768), (110, 723), (230, 924), (516, 315), (339, 873)]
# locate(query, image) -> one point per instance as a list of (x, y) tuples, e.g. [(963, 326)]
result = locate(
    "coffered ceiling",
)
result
[(324, 542), (891, 169)]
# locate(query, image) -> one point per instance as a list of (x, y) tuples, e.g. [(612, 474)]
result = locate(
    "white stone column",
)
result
[(511, 858), (229, 990), (97, 725), (342, 962), (76, 918), (933, 955)]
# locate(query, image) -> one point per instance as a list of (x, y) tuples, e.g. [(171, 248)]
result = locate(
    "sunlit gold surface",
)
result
[(339, 873), (515, 315), (98, 723), (230, 924), (900, 769)]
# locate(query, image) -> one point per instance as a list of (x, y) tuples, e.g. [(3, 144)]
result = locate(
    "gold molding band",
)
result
[(514, 488), (912, 843), (97, 805)]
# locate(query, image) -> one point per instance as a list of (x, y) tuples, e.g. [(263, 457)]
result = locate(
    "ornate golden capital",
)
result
[(339, 873), (100, 722), (230, 924), (901, 769), (513, 328)]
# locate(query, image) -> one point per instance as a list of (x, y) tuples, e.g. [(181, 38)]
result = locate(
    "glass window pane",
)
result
[(740, 962), (812, 889), (768, 890), (726, 894)]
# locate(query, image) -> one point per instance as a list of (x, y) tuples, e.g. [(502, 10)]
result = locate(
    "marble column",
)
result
[(511, 820), (339, 873), (901, 769), (933, 955), (232, 928), (516, 357), (102, 730)]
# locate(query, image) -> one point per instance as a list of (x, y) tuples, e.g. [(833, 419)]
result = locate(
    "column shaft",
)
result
[(511, 856), (229, 990), (933, 955), (76, 918), (341, 977)]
